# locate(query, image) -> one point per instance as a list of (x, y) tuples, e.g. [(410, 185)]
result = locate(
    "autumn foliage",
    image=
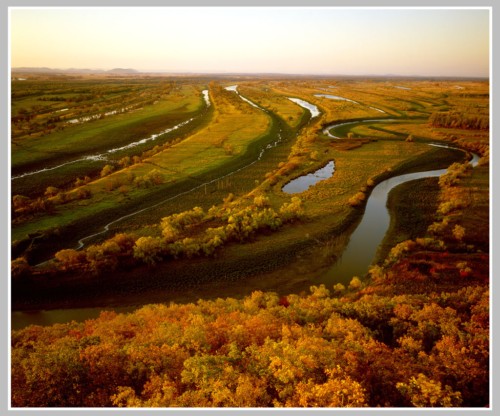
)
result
[(186, 234), (453, 119), (316, 350)]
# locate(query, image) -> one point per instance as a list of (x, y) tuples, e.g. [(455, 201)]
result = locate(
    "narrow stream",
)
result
[(83, 240), (235, 89), (106, 228), (328, 130), (104, 155)]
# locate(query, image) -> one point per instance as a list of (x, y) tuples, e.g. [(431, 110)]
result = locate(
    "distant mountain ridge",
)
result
[(45, 70)]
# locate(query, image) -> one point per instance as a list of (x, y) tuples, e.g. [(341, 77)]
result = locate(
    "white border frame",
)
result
[(367, 4)]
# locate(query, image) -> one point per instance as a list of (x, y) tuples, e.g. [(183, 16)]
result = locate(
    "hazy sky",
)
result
[(448, 42)]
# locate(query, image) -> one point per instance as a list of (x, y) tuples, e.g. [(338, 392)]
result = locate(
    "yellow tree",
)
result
[(425, 392)]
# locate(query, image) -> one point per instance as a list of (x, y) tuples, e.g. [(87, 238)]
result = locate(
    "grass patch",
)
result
[(412, 207), (287, 110)]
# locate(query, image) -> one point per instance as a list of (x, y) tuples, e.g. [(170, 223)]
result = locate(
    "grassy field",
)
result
[(235, 126), (97, 137)]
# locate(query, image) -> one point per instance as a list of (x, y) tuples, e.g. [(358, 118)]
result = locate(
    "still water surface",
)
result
[(304, 182), (307, 105)]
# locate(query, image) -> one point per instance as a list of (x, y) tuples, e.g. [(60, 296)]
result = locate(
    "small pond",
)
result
[(303, 183)]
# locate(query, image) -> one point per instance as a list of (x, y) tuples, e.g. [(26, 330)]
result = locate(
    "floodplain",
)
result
[(139, 190)]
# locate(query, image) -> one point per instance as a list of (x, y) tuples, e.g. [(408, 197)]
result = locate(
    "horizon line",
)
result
[(133, 71)]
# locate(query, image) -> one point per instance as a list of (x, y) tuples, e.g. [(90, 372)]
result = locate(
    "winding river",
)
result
[(365, 240), (354, 261)]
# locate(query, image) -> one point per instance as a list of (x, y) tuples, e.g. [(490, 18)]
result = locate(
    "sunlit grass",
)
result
[(111, 131), (279, 104)]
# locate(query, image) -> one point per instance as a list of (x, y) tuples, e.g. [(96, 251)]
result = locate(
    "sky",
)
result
[(291, 40)]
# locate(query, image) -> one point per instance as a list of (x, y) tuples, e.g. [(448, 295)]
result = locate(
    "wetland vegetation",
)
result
[(175, 196)]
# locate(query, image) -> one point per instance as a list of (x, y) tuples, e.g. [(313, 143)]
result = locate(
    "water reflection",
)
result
[(23, 319), (363, 244), (311, 107), (303, 183)]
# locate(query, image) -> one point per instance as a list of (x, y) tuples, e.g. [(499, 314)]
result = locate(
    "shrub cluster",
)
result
[(186, 234), (454, 119), (453, 199)]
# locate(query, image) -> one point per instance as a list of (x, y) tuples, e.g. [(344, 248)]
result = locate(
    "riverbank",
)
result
[(412, 207)]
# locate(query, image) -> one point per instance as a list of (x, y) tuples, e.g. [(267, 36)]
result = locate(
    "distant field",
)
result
[(69, 142), (108, 132)]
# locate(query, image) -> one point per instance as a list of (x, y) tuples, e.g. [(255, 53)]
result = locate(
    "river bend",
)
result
[(354, 261)]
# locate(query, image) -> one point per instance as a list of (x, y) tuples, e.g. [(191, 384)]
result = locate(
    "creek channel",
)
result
[(84, 240), (355, 259), (98, 157)]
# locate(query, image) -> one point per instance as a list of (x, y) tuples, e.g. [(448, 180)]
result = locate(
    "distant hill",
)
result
[(122, 71), (45, 70)]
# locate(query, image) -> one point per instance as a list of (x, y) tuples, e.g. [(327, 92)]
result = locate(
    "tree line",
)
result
[(453, 119), (183, 235)]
